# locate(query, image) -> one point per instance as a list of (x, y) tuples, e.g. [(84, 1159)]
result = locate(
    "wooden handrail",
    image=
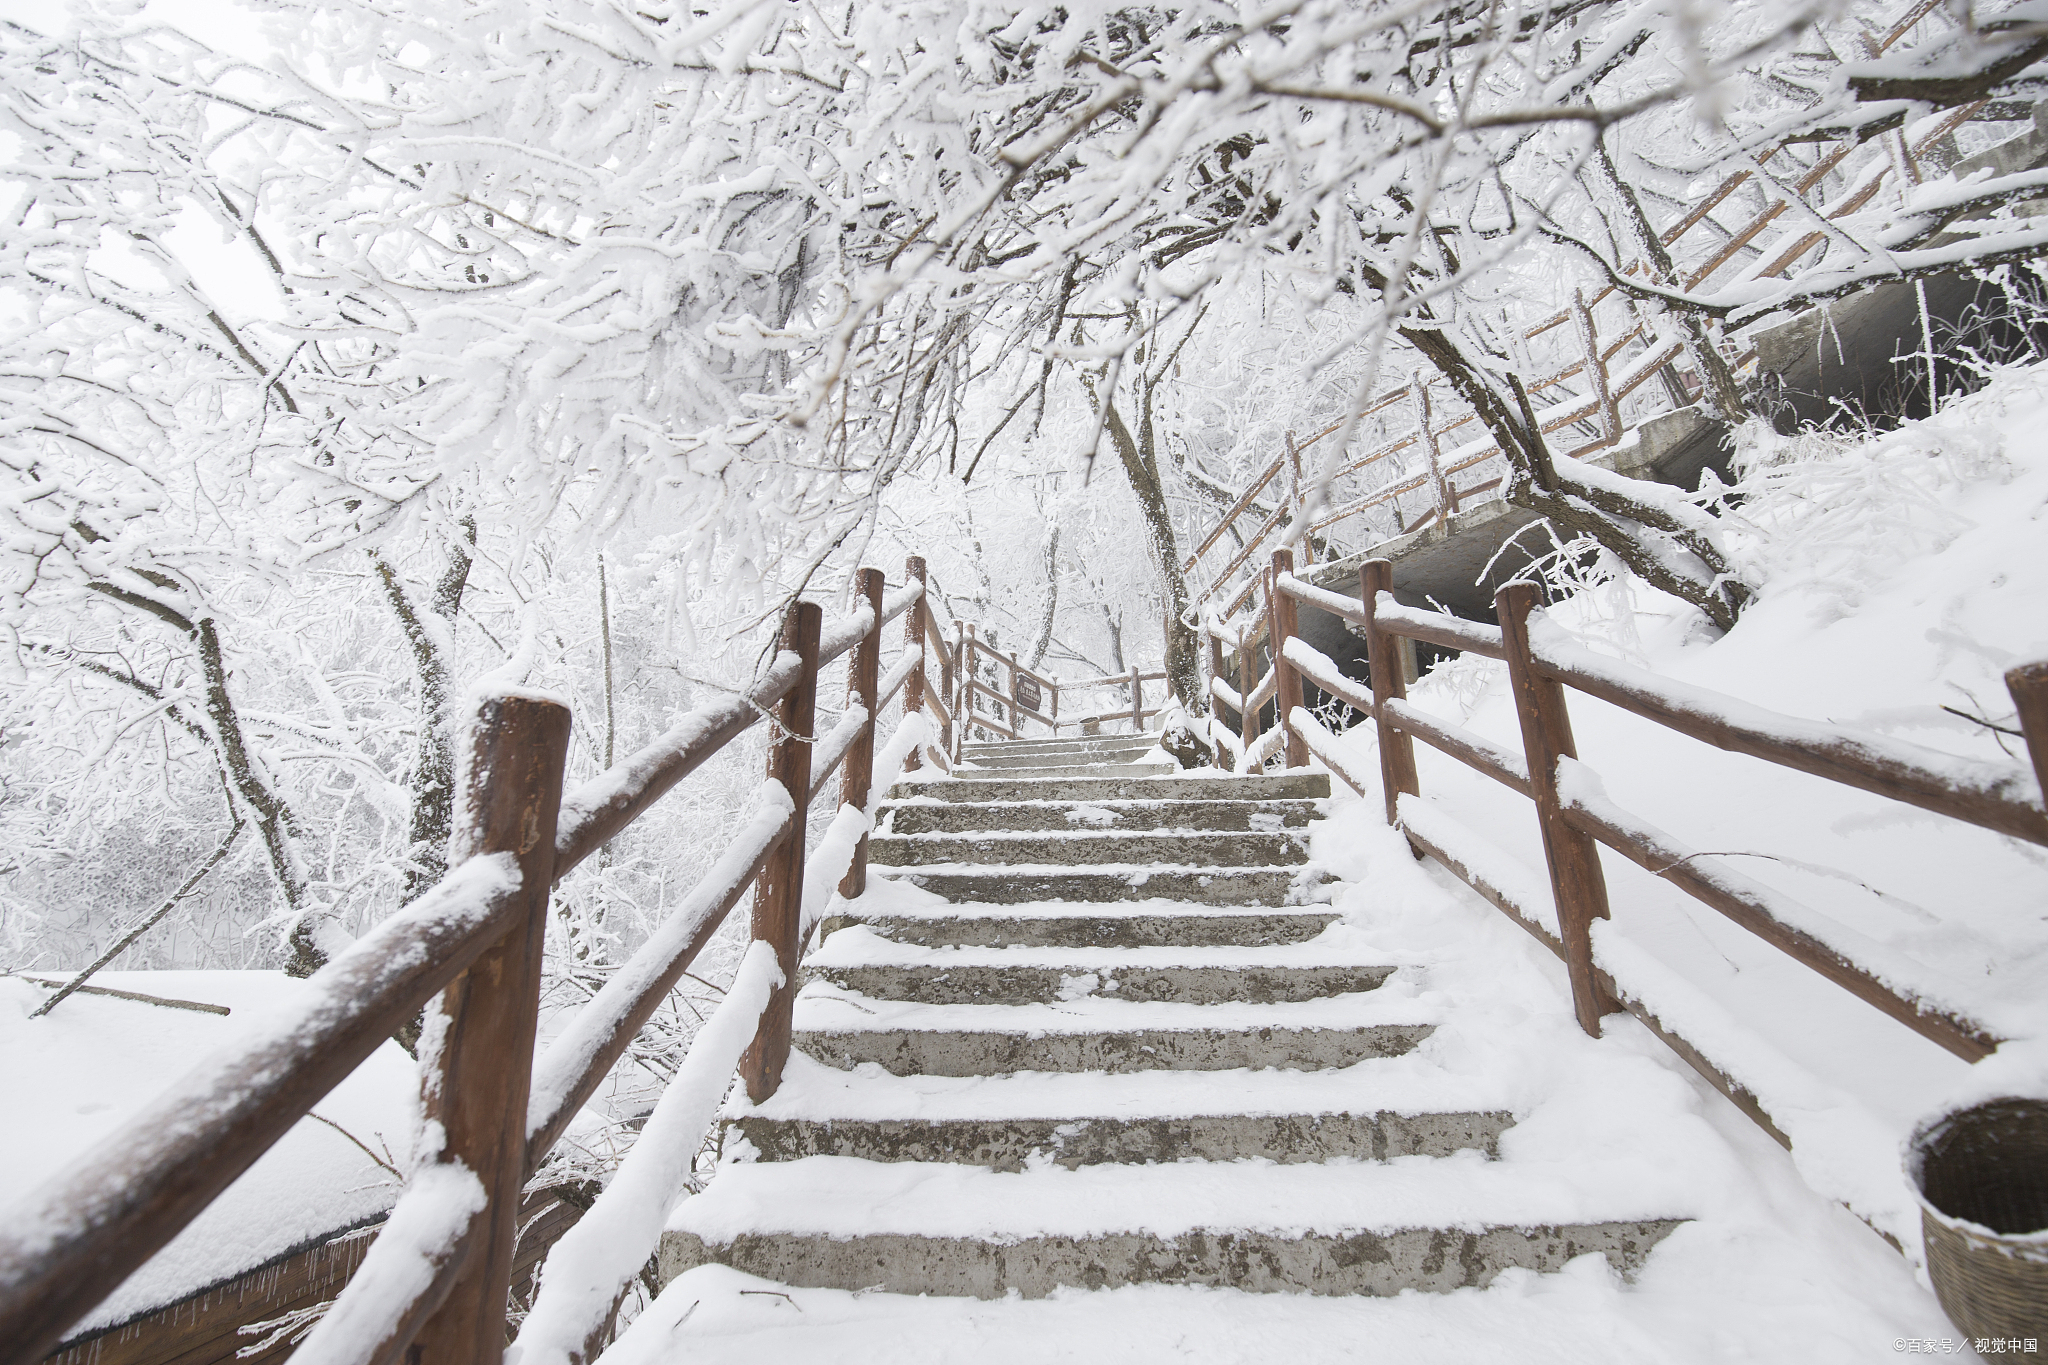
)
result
[(499, 1109), (1983, 794), (85, 1231), (1543, 663), (1763, 912)]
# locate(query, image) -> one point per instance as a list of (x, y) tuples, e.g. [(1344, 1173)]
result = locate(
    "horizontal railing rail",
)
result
[(1571, 807), (468, 950)]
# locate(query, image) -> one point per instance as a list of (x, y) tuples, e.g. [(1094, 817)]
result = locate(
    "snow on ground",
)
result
[(1906, 574), (75, 1074)]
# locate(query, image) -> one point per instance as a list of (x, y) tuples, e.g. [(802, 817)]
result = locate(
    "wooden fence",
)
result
[(1586, 390), (1027, 695), (434, 1285), (1570, 806)]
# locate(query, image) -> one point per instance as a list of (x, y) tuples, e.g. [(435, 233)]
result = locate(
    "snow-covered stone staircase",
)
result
[(1090, 1027)]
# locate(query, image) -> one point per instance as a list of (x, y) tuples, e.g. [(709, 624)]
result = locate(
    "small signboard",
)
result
[(1026, 692)]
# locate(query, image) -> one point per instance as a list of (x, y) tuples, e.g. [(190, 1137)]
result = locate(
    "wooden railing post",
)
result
[(2028, 685), (1247, 714), (1287, 682), (477, 1068), (779, 893), (863, 679), (954, 675), (1577, 884), (1383, 665), (913, 638), (1137, 702)]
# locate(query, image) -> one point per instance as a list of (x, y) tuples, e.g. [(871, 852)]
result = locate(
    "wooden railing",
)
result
[(433, 1287), (1000, 711), (1572, 810), (1587, 388)]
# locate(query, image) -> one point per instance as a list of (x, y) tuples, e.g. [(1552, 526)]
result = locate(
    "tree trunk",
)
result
[(1641, 532), (433, 773), (1183, 670), (1052, 595)]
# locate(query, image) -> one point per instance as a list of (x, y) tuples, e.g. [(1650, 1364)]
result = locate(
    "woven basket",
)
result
[(1982, 1177)]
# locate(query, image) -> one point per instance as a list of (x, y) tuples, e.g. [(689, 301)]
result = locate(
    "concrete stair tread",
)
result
[(1098, 787), (1019, 1143), (1083, 847), (1409, 1084), (989, 1052), (971, 883), (861, 946), (1055, 772), (821, 1006), (1011, 983), (929, 815), (843, 1197), (1137, 923), (1048, 758)]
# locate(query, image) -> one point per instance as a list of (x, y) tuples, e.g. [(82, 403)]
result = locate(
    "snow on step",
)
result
[(1054, 773), (1057, 924), (1195, 1078), (1205, 849), (1008, 1144), (928, 815), (1017, 883), (1343, 1228), (860, 961), (1286, 786)]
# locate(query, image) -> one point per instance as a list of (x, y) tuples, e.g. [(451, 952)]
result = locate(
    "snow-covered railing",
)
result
[(1576, 816), (468, 953), (1034, 696)]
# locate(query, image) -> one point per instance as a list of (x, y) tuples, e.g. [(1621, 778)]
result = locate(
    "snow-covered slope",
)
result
[(74, 1075), (1903, 575)]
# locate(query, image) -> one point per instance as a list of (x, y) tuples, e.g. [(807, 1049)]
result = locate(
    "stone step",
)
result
[(1008, 787), (1383, 1263), (1054, 774), (1344, 1228), (1082, 847), (1077, 742), (1065, 755), (989, 1052), (1016, 985), (962, 817), (1005, 1144), (1127, 930), (966, 884)]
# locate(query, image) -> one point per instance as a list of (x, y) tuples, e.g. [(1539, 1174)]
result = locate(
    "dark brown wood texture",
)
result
[(1753, 908), (123, 1201), (779, 892), (547, 1129), (476, 1079), (641, 779), (1287, 683), (914, 638), (864, 676), (1471, 750), (1842, 760), (2028, 685), (1576, 881), (1523, 916), (1397, 751)]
